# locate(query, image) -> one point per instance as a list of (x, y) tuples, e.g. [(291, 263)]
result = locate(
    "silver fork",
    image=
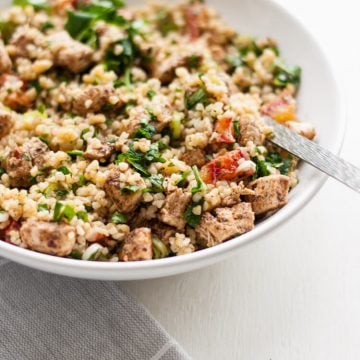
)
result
[(315, 155)]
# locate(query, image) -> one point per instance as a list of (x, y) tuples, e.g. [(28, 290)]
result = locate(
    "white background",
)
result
[(295, 294)]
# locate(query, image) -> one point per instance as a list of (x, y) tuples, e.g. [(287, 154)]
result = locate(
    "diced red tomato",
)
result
[(4, 234), (193, 18), (16, 100), (224, 167), (224, 130), (282, 109)]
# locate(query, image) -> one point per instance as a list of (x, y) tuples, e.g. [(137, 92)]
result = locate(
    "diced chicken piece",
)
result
[(271, 193), (173, 211), (18, 166), (164, 70), (23, 40), (227, 223), (163, 232), (37, 150), (231, 166), (234, 197), (302, 128), (21, 160), (93, 99), (250, 130), (5, 61), (194, 157), (281, 109), (98, 150), (137, 246), (70, 53), (49, 238), (125, 202), (6, 123)]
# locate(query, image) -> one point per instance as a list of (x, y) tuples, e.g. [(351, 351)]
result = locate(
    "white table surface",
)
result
[(296, 294)]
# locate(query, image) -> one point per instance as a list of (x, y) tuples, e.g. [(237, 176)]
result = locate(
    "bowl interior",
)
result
[(319, 103)]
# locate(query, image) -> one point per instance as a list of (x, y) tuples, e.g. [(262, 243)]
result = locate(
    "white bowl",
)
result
[(319, 103)]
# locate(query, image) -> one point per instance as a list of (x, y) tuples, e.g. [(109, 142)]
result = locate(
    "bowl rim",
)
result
[(26, 256)]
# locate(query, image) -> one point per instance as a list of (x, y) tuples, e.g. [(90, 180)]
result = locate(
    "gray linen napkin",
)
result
[(46, 316)]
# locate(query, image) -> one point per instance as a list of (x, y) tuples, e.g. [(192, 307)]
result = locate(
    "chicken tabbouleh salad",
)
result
[(136, 133)]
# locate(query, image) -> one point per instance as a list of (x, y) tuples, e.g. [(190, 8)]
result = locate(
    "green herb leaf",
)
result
[(2, 171), (234, 61), (7, 28), (150, 94), (47, 25), (236, 126), (146, 131), (199, 96), (156, 183), (190, 218), (36, 4), (201, 186), (118, 218), (75, 153), (129, 189), (285, 74), (165, 22), (184, 176), (76, 255), (42, 207), (261, 168), (64, 170), (282, 164)]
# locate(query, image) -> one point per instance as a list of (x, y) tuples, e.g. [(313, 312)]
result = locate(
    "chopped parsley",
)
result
[(150, 94), (184, 176), (146, 131), (64, 170), (118, 218), (194, 61), (156, 184), (190, 218), (47, 25), (285, 74), (282, 164), (80, 23), (234, 61), (139, 160), (75, 153), (2, 171), (198, 96), (130, 189)]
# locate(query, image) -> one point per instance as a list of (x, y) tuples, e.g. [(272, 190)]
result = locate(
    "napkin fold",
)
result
[(49, 317)]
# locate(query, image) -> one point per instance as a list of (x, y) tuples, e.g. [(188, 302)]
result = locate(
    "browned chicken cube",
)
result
[(49, 238), (21, 160), (250, 130), (6, 123), (100, 151), (70, 53), (173, 211), (194, 157), (271, 193), (137, 246), (227, 223), (125, 202), (302, 128), (93, 99)]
